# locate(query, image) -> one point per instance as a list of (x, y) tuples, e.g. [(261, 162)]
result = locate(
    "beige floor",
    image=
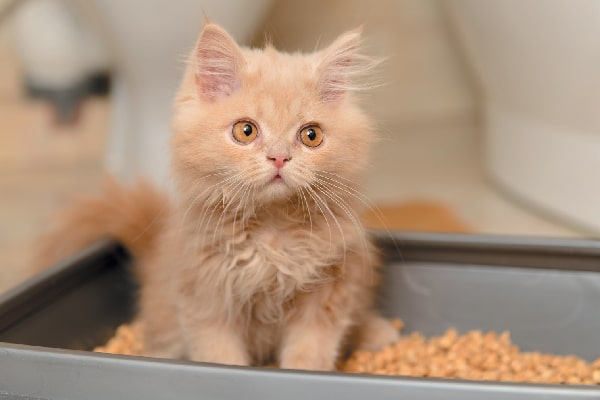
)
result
[(42, 165)]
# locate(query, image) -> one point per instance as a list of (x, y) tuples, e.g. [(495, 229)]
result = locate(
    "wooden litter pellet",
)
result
[(473, 356), (127, 341), (397, 324)]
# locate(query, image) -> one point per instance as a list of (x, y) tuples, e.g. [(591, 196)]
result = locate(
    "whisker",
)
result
[(364, 200), (197, 198), (335, 220), (310, 193), (364, 242), (303, 197), (235, 214), (246, 202), (206, 206), (322, 185), (238, 195), (239, 186), (339, 201), (207, 218)]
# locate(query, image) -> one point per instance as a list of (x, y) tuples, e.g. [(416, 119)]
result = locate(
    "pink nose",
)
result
[(279, 160)]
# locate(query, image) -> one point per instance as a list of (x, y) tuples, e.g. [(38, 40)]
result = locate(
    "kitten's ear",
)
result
[(218, 62), (342, 66)]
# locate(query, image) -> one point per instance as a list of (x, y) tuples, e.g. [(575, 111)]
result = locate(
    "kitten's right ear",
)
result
[(219, 61), (343, 67)]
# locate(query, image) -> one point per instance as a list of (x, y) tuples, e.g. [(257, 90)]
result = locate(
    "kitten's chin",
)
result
[(277, 190)]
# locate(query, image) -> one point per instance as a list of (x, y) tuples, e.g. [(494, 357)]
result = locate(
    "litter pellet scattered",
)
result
[(127, 341), (475, 355)]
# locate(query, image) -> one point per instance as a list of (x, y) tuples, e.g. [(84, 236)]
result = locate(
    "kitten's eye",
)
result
[(311, 136), (244, 131)]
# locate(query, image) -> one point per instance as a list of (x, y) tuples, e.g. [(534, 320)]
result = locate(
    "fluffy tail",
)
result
[(134, 216)]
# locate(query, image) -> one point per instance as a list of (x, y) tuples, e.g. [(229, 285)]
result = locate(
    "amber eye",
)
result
[(244, 131), (311, 136)]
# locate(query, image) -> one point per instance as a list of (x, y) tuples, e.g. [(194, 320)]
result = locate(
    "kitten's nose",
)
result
[(279, 160)]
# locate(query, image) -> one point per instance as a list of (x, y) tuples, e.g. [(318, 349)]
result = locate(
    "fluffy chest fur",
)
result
[(255, 274), (257, 267)]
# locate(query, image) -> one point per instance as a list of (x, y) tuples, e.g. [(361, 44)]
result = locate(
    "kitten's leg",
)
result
[(374, 332), (312, 338), (311, 345), (163, 342), (157, 319), (217, 342)]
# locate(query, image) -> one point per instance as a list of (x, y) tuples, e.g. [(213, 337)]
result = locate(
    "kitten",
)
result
[(261, 254)]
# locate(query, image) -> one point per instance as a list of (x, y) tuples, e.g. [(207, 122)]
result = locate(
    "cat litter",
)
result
[(473, 356)]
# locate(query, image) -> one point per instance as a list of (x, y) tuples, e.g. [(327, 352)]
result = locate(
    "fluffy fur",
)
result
[(242, 267)]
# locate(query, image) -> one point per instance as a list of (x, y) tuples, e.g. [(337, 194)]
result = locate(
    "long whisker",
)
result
[(332, 181), (335, 182), (243, 201), (199, 197), (238, 195), (239, 186), (311, 193), (335, 220), (341, 204), (246, 202), (322, 185), (198, 181), (339, 201), (303, 197), (214, 206)]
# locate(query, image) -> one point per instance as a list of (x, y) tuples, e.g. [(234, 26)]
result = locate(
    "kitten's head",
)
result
[(267, 125)]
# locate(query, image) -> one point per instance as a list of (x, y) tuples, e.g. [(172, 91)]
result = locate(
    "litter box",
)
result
[(546, 292)]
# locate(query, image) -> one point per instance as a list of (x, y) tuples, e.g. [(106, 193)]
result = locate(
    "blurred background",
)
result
[(487, 113)]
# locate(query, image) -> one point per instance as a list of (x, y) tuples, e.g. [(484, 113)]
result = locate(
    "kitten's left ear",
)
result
[(218, 62), (342, 66)]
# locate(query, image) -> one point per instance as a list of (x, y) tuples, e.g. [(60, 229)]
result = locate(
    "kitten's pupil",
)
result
[(247, 129), (312, 135)]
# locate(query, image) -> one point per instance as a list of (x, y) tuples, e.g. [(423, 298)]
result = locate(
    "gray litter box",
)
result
[(546, 292)]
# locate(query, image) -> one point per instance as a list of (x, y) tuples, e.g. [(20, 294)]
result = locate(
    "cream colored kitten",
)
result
[(261, 254)]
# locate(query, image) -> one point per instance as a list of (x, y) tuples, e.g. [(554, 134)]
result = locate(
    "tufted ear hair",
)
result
[(343, 67), (218, 63)]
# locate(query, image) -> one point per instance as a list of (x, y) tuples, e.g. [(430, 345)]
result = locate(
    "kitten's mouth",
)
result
[(277, 179), (278, 182)]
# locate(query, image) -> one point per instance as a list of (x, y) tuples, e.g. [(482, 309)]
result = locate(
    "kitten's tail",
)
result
[(134, 216)]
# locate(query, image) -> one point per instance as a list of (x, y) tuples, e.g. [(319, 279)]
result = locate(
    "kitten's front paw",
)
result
[(376, 333), (225, 356), (308, 360)]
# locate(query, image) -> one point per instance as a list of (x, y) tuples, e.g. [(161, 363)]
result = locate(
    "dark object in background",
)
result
[(8, 9), (67, 101), (73, 74)]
